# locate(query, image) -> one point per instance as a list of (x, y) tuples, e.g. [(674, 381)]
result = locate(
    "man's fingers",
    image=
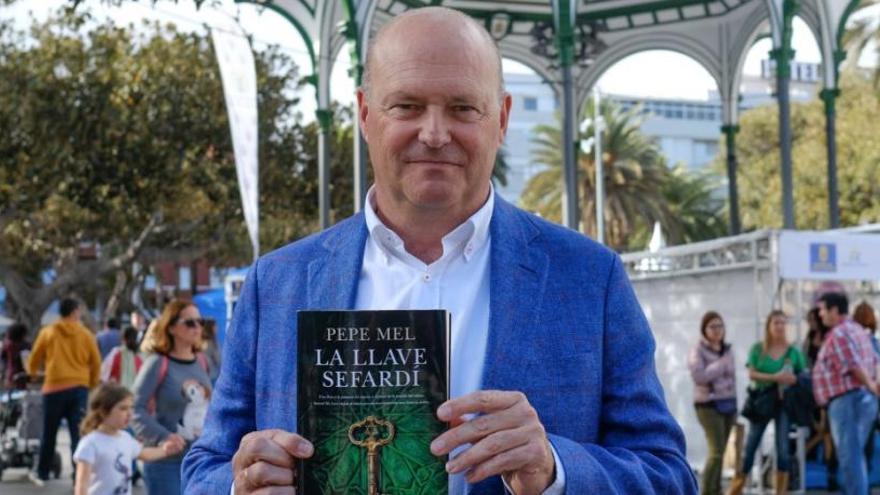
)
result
[(275, 490), (294, 444), (504, 462), (483, 401), (261, 474), (265, 449), (276, 446), (474, 430), (266, 461), (494, 445)]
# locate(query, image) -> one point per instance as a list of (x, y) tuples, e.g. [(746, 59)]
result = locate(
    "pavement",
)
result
[(15, 480)]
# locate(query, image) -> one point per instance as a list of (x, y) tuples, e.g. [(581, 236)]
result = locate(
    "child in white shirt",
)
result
[(105, 451)]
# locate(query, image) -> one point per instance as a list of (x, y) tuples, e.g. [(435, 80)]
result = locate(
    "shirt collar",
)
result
[(471, 234)]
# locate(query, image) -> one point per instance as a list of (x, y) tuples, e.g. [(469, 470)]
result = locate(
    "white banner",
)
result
[(829, 256), (238, 72)]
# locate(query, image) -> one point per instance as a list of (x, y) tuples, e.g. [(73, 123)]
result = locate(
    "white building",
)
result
[(687, 131), (533, 103)]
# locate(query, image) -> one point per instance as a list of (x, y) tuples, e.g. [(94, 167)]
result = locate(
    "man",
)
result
[(552, 359), (139, 322), (69, 354), (843, 379), (108, 338)]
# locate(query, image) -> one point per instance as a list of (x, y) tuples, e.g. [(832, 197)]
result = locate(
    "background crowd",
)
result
[(828, 387), (139, 393), (151, 383)]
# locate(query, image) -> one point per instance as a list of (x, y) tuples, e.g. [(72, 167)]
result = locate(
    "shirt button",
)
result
[(426, 277)]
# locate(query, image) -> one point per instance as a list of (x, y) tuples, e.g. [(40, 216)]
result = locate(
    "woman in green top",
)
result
[(774, 362)]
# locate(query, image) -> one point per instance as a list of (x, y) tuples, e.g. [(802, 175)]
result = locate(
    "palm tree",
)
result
[(697, 208), (635, 172)]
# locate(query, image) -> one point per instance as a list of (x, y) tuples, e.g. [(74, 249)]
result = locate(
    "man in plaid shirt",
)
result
[(844, 380)]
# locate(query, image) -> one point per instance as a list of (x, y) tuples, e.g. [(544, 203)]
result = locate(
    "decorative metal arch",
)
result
[(715, 33), (672, 41)]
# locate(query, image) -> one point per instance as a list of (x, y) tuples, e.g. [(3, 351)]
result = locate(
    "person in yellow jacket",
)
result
[(68, 353)]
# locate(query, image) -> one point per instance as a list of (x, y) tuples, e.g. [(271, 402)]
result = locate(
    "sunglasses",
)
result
[(193, 322)]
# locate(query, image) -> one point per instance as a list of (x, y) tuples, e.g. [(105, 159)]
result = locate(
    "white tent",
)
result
[(743, 278)]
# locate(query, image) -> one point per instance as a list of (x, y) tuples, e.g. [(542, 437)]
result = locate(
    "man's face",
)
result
[(434, 120), (829, 316)]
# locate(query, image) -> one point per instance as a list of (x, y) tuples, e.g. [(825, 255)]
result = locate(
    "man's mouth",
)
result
[(433, 161)]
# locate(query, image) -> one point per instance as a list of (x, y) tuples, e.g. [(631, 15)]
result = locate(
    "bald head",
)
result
[(432, 25)]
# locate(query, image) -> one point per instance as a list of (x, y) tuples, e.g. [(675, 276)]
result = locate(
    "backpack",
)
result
[(163, 372)]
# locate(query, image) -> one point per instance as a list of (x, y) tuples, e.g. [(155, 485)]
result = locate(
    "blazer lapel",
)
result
[(518, 275), (333, 277)]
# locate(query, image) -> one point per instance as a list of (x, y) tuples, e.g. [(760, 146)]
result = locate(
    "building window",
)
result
[(184, 278), (530, 103)]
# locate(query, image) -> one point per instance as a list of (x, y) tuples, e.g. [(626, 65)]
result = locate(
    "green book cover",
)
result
[(368, 387)]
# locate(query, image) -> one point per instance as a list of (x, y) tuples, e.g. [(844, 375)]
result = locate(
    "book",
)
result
[(368, 387)]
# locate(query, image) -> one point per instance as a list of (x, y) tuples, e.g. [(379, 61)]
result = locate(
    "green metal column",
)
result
[(783, 56), (564, 25), (829, 96), (352, 33), (732, 190), (325, 120)]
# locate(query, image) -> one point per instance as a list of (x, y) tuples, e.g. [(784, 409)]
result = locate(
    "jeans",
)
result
[(753, 440), (851, 417), (67, 404), (162, 477), (717, 428)]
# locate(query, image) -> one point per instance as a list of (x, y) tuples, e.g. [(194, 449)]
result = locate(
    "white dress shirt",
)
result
[(392, 278)]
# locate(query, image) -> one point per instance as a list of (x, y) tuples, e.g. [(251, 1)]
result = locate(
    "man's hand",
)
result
[(170, 447), (507, 438), (175, 442), (268, 458)]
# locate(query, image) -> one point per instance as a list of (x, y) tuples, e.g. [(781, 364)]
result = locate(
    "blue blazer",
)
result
[(565, 328)]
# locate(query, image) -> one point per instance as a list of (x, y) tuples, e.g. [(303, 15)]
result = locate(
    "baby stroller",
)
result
[(21, 425)]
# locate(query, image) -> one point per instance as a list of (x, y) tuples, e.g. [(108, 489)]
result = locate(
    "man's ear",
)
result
[(363, 110), (504, 116)]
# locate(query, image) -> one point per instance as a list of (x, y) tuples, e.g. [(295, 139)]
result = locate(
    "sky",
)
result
[(653, 73)]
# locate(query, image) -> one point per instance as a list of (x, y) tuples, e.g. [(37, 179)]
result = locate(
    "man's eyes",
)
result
[(405, 106), (464, 109), (460, 110)]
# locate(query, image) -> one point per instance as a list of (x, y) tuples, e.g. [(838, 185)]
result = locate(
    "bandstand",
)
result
[(571, 43)]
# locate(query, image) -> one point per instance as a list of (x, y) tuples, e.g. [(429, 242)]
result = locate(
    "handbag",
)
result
[(725, 406), (761, 404)]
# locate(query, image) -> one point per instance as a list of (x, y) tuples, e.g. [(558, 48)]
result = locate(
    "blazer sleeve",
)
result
[(207, 467), (640, 448)]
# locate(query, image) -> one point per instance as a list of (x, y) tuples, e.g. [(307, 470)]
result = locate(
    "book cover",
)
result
[(368, 387)]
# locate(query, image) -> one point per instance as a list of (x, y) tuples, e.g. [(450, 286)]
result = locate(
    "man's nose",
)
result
[(434, 131)]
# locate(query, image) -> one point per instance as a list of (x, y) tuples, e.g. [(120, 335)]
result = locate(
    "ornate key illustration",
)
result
[(367, 434)]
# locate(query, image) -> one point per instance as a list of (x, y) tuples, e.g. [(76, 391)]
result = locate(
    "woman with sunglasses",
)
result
[(171, 392)]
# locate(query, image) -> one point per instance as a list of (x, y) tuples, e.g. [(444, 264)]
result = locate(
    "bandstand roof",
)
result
[(575, 41)]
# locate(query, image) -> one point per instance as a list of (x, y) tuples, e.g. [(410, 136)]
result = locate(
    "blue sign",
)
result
[(823, 257)]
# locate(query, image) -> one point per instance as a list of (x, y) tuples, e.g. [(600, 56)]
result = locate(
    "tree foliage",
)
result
[(639, 187), (120, 141), (858, 160)]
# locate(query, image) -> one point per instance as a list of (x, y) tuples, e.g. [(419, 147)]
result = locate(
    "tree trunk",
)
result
[(29, 314), (116, 296), (30, 297)]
